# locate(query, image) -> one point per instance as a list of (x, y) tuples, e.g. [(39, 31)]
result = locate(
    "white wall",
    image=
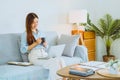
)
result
[(53, 15)]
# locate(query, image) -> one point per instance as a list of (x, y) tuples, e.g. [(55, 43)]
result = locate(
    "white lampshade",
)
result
[(78, 16)]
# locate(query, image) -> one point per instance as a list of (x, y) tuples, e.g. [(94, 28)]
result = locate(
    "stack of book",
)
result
[(77, 70)]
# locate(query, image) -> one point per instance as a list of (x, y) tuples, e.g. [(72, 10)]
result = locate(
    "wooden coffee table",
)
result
[(64, 72)]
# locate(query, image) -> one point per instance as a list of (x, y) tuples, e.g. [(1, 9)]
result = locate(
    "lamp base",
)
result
[(82, 28), (74, 26)]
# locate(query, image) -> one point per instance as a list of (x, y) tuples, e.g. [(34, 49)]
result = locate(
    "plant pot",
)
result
[(107, 58)]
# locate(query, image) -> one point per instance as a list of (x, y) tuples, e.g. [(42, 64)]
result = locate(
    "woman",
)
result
[(32, 43)]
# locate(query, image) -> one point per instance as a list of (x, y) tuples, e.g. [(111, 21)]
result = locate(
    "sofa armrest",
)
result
[(81, 51)]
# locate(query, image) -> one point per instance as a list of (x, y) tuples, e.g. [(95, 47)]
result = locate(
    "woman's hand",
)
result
[(45, 44), (38, 41)]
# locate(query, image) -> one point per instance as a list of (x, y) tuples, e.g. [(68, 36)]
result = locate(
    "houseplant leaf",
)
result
[(108, 29)]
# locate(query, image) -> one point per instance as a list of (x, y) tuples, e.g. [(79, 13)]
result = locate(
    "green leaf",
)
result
[(107, 27)]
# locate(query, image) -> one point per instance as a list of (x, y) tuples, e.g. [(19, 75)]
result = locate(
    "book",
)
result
[(20, 63), (97, 64), (77, 70)]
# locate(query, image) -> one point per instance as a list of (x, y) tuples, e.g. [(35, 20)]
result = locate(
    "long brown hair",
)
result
[(29, 20)]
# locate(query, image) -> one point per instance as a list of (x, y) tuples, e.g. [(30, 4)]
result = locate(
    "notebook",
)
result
[(20, 63), (75, 70)]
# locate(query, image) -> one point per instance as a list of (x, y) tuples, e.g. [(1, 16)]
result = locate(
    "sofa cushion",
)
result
[(71, 42), (81, 51), (25, 55), (72, 60), (51, 37), (56, 51), (9, 50), (12, 72)]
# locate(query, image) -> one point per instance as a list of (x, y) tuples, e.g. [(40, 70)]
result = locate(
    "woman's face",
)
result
[(34, 24)]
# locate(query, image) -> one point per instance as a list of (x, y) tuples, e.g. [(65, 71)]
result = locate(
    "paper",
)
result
[(93, 68), (95, 65)]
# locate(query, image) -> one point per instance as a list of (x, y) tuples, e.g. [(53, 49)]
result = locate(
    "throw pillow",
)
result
[(56, 51), (24, 56), (71, 42)]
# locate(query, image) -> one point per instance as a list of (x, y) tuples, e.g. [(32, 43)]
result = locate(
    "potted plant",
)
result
[(109, 30)]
